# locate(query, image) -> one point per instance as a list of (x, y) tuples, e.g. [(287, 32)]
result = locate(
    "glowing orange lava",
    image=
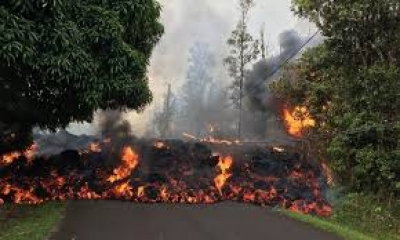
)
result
[(159, 145), (29, 153), (95, 147), (297, 120)]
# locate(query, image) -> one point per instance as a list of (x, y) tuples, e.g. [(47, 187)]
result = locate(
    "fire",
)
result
[(159, 145), (224, 165), (140, 191), (95, 147), (129, 162), (211, 128), (123, 190), (212, 140), (328, 174), (297, 120), (189, 136), (175, 178), (29, 153), (278, 149)]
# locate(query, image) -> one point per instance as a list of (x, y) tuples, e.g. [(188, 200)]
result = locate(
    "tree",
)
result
[(163, 119), (243, 50), (350, 84), (194, 90), (62, 60)]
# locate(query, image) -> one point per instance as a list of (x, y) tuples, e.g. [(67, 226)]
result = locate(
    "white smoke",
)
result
[(189, 21)]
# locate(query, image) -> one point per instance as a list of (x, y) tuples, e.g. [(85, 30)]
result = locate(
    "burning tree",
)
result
[(62, 60)]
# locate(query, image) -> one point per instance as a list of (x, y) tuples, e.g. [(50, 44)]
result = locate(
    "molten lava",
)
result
[(129, 161), (297, 120), (95, 147), (29, 153), (211, 139), (176, 172)]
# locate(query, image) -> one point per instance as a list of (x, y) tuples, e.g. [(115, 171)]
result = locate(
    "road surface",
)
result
[(109, 220)]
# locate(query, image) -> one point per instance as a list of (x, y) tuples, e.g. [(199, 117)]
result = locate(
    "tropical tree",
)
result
[(350, 84), (62, 60)]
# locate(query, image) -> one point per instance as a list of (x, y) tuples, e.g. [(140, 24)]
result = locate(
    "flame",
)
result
[(211, 128), (95, 147), (189, 136), (213, 140), (129, 162), (164, 194), (179, 187), (297, 120), (123, 190), (29, 153), (224, 165), (328, 174), (278, 149), (159, 145), (140, 191)]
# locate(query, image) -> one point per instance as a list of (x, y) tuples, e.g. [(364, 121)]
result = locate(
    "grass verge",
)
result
[(359, 217), (30, 222)]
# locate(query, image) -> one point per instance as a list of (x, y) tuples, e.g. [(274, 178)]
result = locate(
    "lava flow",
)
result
[(9, 158), (168, 172)]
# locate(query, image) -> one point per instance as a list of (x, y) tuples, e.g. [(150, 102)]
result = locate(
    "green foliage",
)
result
[(350, 85), (32, 222), (243, 50), (359, 217), (369, 215), (62, 60)]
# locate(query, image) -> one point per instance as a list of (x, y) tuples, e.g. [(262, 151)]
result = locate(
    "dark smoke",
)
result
[(112, 125), (257, 80), (263, 118)]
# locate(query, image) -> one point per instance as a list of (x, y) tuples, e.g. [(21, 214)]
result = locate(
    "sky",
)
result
[(210, 21)]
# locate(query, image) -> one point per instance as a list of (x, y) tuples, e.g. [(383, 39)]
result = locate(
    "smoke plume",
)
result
[(256, 83)]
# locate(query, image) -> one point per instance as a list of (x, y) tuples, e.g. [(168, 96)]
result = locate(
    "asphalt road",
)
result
[(109, 220)]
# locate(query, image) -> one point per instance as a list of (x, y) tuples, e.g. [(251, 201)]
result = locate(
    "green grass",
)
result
[(30, 222), (329, 226), (359, 217)]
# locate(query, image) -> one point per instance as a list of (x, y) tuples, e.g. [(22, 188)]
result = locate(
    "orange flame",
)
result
[(328, 174), (129, 162), (159, 145), (224, 164), (95, 147), (297, 120), (122, 190), (29, 153), (140, 191)]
